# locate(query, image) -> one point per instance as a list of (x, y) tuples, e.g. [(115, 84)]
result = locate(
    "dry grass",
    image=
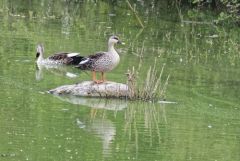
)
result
[(153, 88)]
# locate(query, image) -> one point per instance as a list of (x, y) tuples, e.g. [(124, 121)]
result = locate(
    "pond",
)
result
[(202, 60)]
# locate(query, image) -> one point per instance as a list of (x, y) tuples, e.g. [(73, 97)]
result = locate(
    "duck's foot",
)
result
[(98, 81)]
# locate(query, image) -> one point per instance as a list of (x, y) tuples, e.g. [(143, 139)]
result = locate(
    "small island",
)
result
[(153, 88), (91, 89)]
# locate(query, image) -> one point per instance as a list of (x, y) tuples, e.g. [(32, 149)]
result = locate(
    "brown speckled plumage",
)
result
[(102, 61), (67, 58), (63, 57)]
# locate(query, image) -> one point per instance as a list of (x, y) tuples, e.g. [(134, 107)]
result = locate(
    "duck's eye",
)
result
[(116, 38)]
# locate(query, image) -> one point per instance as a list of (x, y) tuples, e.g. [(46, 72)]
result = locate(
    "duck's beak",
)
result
[(37, 55), (119, 42)]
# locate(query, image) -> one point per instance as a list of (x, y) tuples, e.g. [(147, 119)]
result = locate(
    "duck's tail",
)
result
[(85, 64), (77, 59)]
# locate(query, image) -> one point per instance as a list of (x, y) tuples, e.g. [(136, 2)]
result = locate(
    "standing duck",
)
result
[(102, 61), (66, 58)]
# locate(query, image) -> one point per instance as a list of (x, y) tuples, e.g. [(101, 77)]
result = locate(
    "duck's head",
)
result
[(40, 50), (114, 40)]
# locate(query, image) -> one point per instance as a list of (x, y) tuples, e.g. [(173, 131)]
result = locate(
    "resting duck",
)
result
[(102, 61), (66, 58)]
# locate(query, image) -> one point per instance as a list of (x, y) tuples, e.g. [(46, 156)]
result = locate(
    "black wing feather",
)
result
[(89, 65)]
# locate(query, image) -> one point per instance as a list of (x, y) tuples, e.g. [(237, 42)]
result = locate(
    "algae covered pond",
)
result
[(202, 60)]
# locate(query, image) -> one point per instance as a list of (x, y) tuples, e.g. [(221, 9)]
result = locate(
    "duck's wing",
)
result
[(76, 58), (67, 58), (58, 56), (88, 62)]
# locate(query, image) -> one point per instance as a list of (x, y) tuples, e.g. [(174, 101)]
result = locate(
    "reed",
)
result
[(153, 87), (135, 13)]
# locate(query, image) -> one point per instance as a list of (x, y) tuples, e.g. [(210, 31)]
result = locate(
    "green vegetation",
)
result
[(153, 88), (227, 10), (201, 56)]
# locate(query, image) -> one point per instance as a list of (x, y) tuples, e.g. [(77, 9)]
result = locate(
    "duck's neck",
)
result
[(111, 48)]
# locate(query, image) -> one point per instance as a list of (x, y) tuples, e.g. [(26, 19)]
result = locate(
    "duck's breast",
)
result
[(107, 62)]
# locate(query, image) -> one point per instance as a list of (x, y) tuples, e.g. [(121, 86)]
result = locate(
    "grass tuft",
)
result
[(153, 87)]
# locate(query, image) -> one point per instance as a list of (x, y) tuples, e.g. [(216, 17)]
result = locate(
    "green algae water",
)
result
[(203, 123)]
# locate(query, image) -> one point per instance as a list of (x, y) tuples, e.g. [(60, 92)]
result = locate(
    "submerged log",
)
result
[(91, 89)]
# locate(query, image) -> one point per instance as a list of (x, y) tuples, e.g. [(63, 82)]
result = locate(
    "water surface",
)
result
[(202, 60)]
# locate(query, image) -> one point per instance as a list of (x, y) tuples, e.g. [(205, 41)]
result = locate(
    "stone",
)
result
[(91, 89)]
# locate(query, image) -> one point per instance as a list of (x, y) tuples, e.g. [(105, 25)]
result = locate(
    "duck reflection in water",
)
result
[(101, 128), (55, 69)]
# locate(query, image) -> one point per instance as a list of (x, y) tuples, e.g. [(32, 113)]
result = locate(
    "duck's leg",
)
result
[(94, 77), (103, 77), (101, 80)]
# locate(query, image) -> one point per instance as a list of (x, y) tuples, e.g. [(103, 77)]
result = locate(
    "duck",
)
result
[(66, 58), (102, 61)]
